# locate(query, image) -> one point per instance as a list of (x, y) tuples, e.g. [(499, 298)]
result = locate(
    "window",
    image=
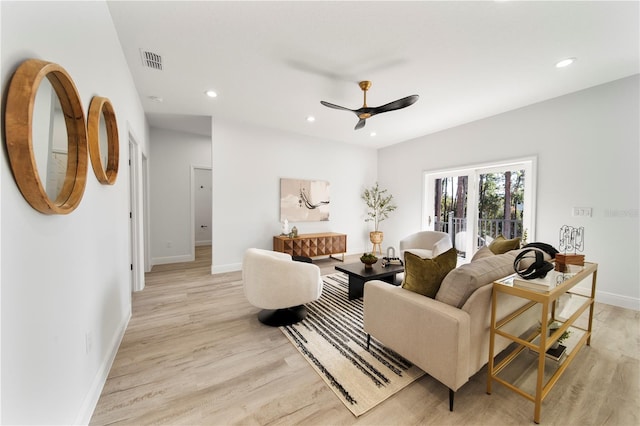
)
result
[(477, 203)]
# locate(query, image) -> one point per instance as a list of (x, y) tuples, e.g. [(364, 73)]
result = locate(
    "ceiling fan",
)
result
[(366, 112)]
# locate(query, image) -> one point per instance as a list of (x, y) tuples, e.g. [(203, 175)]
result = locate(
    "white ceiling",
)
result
[(272, 62)]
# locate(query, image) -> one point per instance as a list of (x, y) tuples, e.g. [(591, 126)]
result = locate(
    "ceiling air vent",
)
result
[(151, 60)]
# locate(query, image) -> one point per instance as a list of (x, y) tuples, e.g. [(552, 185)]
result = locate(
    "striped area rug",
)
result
[(332, 339)]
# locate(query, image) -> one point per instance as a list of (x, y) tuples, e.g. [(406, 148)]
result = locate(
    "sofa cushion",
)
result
[(502, 245), (482, 253), (460, 283), (424, 276)]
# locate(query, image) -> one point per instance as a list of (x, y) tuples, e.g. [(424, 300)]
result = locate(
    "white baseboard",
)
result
[(618, 300), (173, 259), (611, 298), (91, 400), (231, 267)]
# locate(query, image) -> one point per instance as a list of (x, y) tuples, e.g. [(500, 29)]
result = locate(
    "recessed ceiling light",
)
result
[(373, 134), (211, 93), (565, 62), (311, 119), (156, 98)]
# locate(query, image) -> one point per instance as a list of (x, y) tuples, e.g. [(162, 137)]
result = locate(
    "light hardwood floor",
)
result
[(194, 353)]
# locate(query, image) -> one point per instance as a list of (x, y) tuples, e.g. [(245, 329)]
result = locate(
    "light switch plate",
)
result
[(582, 211)]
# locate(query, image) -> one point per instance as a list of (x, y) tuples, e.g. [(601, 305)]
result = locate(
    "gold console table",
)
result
[(312, 245), (527, 370)]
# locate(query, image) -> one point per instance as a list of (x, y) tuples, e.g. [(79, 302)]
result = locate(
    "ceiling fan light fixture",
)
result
[(565, 62), (366, 112)]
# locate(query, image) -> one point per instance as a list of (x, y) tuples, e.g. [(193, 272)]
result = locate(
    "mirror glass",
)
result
[(50, 147), (104, 141)]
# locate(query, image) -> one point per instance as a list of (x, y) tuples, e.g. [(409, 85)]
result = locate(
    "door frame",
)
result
[(145, 213), (529, 164), (136, 211)]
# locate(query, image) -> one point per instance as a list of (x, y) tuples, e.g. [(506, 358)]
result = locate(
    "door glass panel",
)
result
[(450, 209), (500, 205)]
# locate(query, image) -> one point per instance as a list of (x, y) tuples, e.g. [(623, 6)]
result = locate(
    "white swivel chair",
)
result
[(279, 286), (426, 244)]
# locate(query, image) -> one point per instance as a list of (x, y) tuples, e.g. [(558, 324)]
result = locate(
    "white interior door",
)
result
[(135, 216), (202, 190)]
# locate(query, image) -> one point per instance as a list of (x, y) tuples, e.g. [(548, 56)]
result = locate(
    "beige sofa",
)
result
[(447, 337)]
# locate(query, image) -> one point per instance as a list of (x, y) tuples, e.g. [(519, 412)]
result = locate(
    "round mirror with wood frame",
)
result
[(101, 124), (20, 144)]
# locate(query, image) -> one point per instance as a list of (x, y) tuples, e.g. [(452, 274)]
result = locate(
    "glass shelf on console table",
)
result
[(528, 369)]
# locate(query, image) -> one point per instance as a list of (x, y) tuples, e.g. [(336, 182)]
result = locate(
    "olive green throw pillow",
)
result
[(501, 245), (424, 276)]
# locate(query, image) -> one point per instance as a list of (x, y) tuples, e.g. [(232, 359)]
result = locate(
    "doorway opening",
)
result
[(201, 210)]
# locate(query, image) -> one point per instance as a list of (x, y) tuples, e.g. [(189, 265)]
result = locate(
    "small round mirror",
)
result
[(46, 137), (103, 140)]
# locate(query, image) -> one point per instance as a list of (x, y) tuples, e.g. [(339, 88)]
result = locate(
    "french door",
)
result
[(477, 203)]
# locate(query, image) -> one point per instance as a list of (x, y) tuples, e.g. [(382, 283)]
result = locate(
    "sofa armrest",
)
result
[(432, 335)]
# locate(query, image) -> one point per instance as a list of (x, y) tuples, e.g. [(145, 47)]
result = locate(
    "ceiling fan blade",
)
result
[(366, 112), (391, 106), (334, 106)]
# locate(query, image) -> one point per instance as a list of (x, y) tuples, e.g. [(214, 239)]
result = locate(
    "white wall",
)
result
[(587, 145), (2, 166), (248, 163), (65, 279), (171, 158)]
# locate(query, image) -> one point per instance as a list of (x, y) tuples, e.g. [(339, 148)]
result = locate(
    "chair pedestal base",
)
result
[(281, 317)]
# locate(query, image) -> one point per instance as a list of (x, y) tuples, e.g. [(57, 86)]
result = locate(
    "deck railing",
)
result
[(488, 229)]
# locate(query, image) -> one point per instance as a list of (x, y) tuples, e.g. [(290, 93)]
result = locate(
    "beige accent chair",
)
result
[(426, 244), (447, 337), (279, 286)]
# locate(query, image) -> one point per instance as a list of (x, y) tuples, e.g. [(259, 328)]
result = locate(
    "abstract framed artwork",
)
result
[(304, 200)]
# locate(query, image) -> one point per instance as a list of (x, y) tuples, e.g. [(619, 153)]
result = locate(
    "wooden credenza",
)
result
[(312, 245)]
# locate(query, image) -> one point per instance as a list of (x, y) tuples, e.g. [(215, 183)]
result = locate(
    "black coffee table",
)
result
[(358, 275)]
